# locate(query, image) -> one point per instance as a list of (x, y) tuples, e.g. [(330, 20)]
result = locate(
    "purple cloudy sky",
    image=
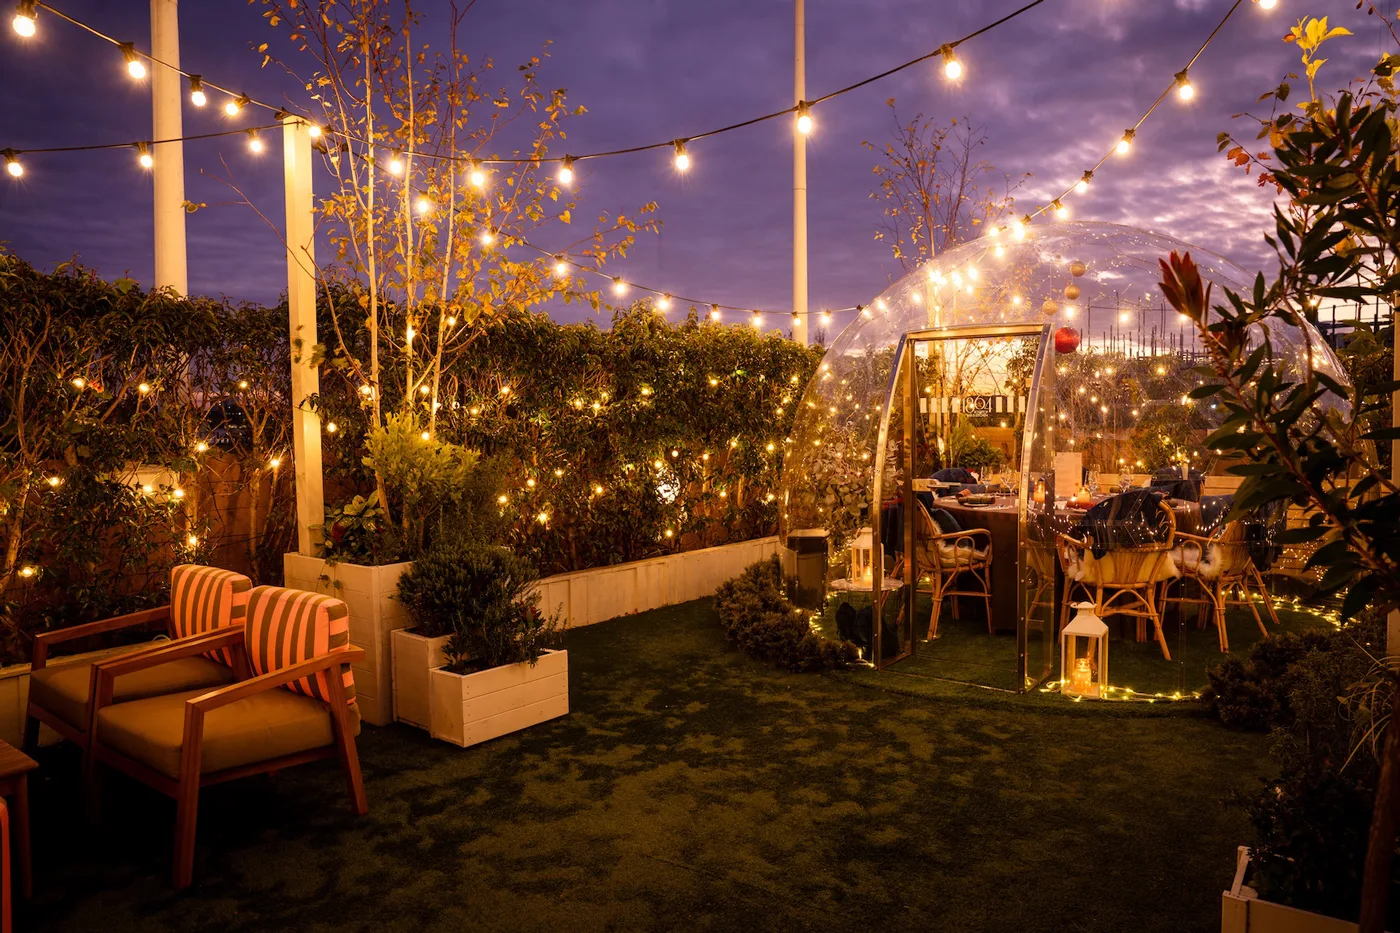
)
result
[(1054, 88)]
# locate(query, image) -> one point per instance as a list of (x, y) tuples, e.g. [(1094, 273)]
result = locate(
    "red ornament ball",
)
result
[(1066, 340)]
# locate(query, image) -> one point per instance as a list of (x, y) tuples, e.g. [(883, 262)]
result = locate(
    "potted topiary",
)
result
[(502, 673), (431, 592)]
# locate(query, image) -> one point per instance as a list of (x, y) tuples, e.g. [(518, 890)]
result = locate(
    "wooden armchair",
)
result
[(959, 563), (202, 599), (1218, 565), (1124, 581), (298, 706)]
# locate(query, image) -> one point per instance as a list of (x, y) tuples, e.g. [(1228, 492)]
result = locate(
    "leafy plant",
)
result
[(483, 597), (757, 616), (422, 473)]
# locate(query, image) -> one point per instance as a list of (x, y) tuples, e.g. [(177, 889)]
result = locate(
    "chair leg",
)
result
[(1264, 594), (186, 814), (990, 630), (1218, 598), (1157, 622), (933, 616), (1258, 620)]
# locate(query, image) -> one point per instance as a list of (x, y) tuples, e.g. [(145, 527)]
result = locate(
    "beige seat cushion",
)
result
[(261, 727), (1123, 569), (62, 689)]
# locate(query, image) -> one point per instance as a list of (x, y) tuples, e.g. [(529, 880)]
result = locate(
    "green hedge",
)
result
[(758, 617)]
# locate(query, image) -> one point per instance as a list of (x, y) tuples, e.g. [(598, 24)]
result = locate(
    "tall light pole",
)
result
[(799, 185), (168, 170)]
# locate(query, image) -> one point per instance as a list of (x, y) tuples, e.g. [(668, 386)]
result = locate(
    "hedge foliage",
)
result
[(757, 616)]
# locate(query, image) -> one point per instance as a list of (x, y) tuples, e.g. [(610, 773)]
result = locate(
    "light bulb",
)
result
[(804, 118), (952, 68), (134, 66), (756, 320), (12, 163), (566, 171), (619, 287), (826, 318), (233, 107), (663, 303), (477, 177), (1082, 185), (561, 268), (423, 205), (254, 142), (197, 95), (1061, 212), (1184, 90), (25, 15), (1126, 143), (193, 540), (1263, 5), (144, 388), (313, 130), (144, 155), (714, 316), (395, 164), (201, 447), (487, 237), (682, 157), (275, 462)]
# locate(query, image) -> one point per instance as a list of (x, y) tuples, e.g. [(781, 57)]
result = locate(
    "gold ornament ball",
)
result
[(1077, 268), (1049, 309), (1071, 291)]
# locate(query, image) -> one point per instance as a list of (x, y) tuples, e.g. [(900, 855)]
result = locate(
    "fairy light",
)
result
[(804, 118), (1126, 143), (426, 436), (233, 107), (275, 462), (682, 160), (395, 165), (144, 388), (561, 268), (423, 205), (197, 95), (488, 236), (178, 493), (1184, 89), (12, 163), (27, 570), (503, 499), (366, 389), (477, 176), (192, 540), (255, 142), (566, 171), (952, 68), (143, 155), (54, 481), (25, 15), (134, 66), (78, 382), (201, 447)]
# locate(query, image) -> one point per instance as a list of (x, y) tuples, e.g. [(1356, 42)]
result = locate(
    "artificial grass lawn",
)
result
[(692, 788)]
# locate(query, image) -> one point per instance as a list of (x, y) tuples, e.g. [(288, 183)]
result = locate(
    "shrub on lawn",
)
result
[(758, 617), (1253, 693)]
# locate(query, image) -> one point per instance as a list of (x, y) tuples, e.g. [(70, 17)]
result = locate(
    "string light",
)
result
[(663, 304), (952, 68), (144, 388), (201, 447), (488, 236), (423, 205), (255, 142), (714, 316), (619, 287), (1082, 185), (143, 155), (275, 462), (1184, 90), (804, 118), (756, 320), (234, 106), (1126, 143), (1266, 4), (826, 318), (25, 15), (395, 164), (314, 130), (26, 570), (1061, 212), (561, 268), (134, 66), (477, 176), (566, 171), (12, 164), (682, 157), (197, 95)]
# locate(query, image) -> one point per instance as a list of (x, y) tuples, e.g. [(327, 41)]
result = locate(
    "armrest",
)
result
[(223, 696), (44, 640), (1064, 539), (1194, 539), (106, 672), (966, 533)]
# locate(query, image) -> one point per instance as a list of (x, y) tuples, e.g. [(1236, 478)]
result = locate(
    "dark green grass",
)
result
[(693, 789)]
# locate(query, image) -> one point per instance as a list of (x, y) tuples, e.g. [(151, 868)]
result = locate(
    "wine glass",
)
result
[(1093, 478)]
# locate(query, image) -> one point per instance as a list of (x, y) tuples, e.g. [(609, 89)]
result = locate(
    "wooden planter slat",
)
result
[(414, 658), (472, 708)]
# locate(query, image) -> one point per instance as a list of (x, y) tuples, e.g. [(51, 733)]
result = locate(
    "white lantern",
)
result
[(1084, 654), (862, 556)]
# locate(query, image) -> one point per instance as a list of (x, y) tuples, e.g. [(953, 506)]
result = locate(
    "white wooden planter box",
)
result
[(588, 596), (1242, 911), (374, 613), (471, 708), (414, 657)]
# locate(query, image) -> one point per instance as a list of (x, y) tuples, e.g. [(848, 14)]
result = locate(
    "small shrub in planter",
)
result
[(759, 618)]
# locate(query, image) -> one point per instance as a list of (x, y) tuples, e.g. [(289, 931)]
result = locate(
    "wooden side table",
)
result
[(15, 766)]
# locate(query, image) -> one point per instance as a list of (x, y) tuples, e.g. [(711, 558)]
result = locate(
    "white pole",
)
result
[(301, 320), (799, 185), (168, 172)]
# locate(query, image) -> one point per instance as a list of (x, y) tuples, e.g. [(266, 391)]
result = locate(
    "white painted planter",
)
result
[(588, 596), (374, 613), (1242, 911), (471, 708), (414, 657)]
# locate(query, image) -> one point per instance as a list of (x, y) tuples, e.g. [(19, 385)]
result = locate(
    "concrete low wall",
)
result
[(589, 596)]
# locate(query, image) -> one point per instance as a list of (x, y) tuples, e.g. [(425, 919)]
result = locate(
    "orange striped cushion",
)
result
[(203, 599), (287, 626)]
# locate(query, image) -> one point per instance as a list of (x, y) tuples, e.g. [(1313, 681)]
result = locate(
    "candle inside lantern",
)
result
[(1081, 676), (1039, 495)]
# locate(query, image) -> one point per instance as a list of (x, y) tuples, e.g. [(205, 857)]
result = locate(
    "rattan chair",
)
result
[(1218, 565), (951, 560), (1124, 581)]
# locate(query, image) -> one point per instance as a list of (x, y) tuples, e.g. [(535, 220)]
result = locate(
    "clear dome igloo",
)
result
[(1040, 365)]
